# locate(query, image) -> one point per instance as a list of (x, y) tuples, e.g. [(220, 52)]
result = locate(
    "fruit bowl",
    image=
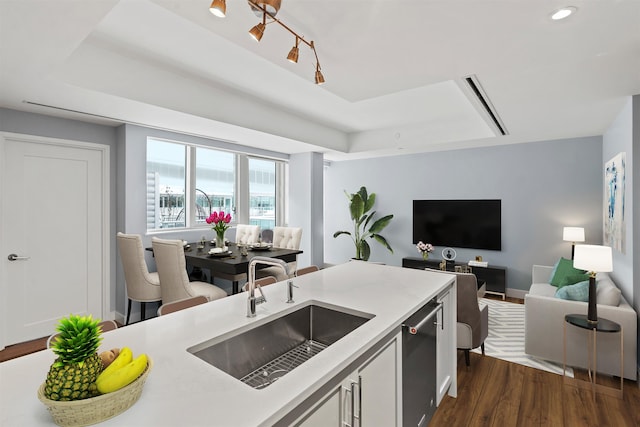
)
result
[(77, 413)]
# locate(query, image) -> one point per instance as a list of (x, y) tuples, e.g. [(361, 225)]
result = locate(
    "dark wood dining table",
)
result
[(235, 263)]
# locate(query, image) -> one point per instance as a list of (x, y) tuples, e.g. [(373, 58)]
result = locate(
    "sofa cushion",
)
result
[(576, 292), (565, 274), (606, 292)]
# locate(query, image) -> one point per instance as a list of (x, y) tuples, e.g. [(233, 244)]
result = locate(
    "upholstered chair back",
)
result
[(172, 269), (287, 237), (247, 234), (141, 285)]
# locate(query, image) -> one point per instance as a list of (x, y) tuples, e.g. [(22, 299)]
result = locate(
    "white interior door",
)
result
[(55, 224)]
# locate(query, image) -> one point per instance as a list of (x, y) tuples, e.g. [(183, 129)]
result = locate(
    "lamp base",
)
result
[(592, 313)]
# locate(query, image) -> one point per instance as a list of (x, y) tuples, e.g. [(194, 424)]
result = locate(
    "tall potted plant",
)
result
[(360, 204)]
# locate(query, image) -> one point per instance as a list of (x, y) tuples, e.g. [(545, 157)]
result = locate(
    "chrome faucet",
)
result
[(252, 300)]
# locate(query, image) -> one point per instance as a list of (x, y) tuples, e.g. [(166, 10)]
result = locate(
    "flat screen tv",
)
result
[(474, 224)]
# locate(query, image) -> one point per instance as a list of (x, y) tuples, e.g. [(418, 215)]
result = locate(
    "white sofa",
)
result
[(544, 321)]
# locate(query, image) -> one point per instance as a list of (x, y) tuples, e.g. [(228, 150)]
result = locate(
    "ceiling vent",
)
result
[(476, 89)]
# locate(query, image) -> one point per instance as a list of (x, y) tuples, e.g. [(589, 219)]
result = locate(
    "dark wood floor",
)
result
[(492, 392)]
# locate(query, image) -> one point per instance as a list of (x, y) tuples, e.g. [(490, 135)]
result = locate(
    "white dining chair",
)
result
[(172, 269), (142, 286), (247, 234), (285, 238)]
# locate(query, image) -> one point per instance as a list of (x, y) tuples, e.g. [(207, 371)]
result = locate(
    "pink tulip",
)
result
[(227, 218)]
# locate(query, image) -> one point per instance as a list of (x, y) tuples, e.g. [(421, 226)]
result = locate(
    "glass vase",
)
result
[(219, 239), (425, 255)]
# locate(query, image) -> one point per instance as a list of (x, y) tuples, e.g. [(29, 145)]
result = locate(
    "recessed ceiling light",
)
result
[(563, 13)]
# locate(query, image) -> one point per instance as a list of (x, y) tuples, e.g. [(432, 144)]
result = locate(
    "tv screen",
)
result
[(474, 224)]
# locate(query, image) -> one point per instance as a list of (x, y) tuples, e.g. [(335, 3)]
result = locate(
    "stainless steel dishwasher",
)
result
[(419, 366)]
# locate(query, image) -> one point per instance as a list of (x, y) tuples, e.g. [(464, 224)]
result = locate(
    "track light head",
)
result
[(218, 8), (257, 31), (293, 53), (319, 76)]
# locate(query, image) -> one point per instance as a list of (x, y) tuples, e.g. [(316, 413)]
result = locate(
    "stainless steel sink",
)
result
[(261, 355)]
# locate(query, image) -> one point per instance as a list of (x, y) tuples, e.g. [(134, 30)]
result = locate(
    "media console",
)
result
[(494, 276)]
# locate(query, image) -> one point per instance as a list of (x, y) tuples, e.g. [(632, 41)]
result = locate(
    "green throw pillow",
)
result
[(564, 269), (573, 279), (576, 292)]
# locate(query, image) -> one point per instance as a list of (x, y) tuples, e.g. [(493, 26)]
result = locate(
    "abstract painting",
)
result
[(614, 203)]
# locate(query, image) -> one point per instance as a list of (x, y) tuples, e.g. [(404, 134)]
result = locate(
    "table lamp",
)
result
[(594, 259), (573, 235)]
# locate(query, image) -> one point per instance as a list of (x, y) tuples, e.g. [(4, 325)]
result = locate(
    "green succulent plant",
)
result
[(360, 204)]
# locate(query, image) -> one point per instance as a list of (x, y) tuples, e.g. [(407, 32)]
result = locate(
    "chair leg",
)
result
[(466, 357), (482, 347), (128, 311), (143, 309)]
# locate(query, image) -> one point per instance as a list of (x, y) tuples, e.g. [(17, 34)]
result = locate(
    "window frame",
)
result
[(241, 205)]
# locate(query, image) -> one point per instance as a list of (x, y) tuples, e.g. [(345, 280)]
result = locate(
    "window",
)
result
[(166, 166), (214, 182), (262, 193), (185, 183)]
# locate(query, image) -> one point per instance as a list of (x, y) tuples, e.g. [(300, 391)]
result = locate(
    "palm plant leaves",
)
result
[(360, 204)]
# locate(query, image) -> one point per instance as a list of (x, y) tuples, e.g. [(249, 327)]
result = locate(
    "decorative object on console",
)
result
[(449, 254), (573, 235), (220, 223), (359, 204), (593, 258), (267, 10), (425, 249)]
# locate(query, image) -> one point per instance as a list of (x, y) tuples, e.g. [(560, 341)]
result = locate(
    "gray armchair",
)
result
[(473, 322)]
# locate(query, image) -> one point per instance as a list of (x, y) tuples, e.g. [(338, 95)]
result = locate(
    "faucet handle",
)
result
[(290, 287), (262, 298)]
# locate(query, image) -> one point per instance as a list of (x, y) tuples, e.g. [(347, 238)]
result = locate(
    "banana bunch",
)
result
[(122, 370)]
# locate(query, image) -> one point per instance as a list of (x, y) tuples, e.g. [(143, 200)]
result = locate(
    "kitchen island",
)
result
[(184, 390)]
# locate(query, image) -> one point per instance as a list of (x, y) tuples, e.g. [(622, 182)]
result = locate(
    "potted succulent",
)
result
[(360, 204)]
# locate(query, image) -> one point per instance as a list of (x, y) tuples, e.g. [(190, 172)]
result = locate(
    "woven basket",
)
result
[(85, 412)]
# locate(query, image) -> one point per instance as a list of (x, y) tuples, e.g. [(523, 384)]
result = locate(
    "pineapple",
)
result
[(73, 374)]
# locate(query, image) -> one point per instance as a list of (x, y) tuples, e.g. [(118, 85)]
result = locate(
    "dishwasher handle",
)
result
[(414, 329)]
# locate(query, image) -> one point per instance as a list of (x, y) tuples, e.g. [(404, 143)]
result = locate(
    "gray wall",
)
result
[(544, 186), (305, 205), (623, 136)]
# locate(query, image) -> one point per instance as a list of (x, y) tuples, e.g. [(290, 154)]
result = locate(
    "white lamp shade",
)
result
[(573, 234), (593, 258)]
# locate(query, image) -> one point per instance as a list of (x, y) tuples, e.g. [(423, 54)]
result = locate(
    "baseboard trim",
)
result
[(516, 293)]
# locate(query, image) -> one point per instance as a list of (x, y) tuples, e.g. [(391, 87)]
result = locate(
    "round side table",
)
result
[(602, 325)]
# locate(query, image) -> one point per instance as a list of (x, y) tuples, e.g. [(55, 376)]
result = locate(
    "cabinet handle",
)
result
[(353, 404), (344, 406)]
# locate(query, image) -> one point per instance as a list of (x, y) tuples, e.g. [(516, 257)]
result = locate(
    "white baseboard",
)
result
[(516, 293)]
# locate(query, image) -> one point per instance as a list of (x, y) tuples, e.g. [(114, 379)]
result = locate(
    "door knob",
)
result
[(14, 257)]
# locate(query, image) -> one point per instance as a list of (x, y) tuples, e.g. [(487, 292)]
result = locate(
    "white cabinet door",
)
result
[(379, 385), (326, 413), (446, 342), (367, 397)]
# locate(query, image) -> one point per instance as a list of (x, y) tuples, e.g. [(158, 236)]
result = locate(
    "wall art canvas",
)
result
[(614, 202)]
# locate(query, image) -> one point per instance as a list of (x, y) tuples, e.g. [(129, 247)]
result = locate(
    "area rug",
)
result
[(506, 337)]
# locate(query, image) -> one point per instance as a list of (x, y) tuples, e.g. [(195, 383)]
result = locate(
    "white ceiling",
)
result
[(395, 70)]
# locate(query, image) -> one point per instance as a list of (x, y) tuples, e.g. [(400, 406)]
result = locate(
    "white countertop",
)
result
[(183, 390)]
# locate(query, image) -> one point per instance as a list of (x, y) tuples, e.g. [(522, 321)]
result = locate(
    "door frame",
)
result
[(104, 151)]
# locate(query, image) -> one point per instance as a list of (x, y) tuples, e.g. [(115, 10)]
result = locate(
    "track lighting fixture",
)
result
[(293, 53), (218, 8), (269, 9)]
